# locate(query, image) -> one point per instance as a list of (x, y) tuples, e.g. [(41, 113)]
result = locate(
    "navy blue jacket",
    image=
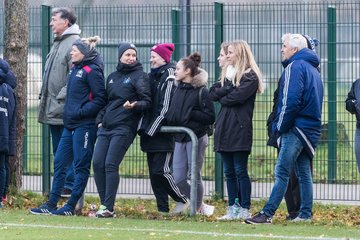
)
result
[(128, 83), (162, 88), (85, 95), (353, 101), (300, 99), (7, 109)]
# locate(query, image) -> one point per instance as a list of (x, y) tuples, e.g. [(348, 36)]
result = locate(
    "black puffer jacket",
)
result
[(185, 109), (272, 140), (233, 126), (353, 101), (128, 83), (162, 88)]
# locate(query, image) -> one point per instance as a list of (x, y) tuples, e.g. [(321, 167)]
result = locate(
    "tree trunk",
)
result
[(15, 52)]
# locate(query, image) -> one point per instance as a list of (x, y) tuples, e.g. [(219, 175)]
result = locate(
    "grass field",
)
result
[(138, 219), (19, 225)]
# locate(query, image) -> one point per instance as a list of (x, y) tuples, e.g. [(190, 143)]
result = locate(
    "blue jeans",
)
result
[(292, 154), (357, 147), (76, 147), (56, 132), (2, 173), (7, 176), (237, 178)]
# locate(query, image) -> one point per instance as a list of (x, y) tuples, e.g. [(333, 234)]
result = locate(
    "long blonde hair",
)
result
[(224, 46), (245, 62)]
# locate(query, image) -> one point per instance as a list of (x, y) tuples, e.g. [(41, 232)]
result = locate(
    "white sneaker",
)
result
[(299, 219), (206, 210), (180, 207), (231, 214), (244, 214)]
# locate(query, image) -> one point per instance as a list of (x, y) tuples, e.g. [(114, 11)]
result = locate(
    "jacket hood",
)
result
[(6, 75), (74, 29), (200, 79), (125, 68), (95, 59), (157, 72), (304, 54)]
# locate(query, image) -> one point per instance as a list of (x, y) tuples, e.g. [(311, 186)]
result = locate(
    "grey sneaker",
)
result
[(231, 213), (299, 219), (206, 210), (180, 208), (103, 212), (244, 214)]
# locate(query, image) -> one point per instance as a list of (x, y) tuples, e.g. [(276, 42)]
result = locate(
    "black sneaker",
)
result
[(259, 218), (44, 209), (66, 193), (66, 210)]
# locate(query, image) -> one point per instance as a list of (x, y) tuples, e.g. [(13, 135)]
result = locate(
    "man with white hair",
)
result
[(297, 126)]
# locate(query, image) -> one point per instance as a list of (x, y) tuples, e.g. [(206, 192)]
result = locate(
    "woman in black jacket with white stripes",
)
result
[(159, 146)]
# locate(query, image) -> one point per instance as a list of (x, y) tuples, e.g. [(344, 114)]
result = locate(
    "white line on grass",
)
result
[(171, 231)]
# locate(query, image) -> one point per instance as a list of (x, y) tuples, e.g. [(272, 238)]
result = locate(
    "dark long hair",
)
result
[(192, 62)]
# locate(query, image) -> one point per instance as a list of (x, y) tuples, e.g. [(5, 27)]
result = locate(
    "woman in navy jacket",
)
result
[(128, 95), (236, 93), (85, 97), (7, 124)]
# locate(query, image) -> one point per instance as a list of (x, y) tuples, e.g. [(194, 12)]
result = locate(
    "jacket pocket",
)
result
[(56, 108)]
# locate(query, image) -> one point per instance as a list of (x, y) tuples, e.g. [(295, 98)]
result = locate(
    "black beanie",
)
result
[(125, 46)]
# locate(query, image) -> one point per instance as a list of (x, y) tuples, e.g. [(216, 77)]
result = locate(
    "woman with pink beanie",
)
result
[(159, 146)]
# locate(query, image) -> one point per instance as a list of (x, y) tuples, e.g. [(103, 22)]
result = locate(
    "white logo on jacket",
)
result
[(126, 80), (79, 73), (4, 110)]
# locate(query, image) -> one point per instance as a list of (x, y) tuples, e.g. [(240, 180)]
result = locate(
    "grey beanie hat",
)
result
[(125, 46), (82, 46)]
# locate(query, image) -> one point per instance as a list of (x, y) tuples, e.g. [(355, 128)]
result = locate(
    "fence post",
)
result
[(219, 21), (45, 43), (332, 128), (175, 20), (194, 154), (185, 27)]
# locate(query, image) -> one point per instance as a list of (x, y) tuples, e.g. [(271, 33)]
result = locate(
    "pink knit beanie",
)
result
[(164, 50)]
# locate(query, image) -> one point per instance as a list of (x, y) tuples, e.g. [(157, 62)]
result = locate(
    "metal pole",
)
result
[(332, 142), (175, 18), (45, 43), (185, 29), (219, 21), (194, 154), (188, 27)]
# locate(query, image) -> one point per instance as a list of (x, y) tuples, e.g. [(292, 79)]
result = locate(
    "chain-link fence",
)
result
[(261, 25)]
